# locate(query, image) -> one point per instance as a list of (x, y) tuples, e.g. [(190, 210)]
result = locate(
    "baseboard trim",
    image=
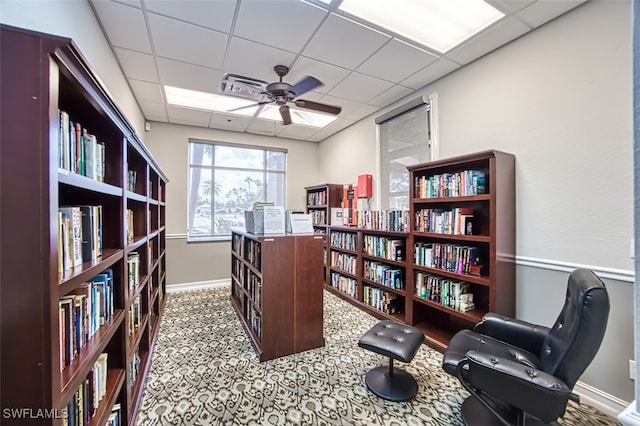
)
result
[(630, 417), (198, 285), (555, 265), (603, 401)]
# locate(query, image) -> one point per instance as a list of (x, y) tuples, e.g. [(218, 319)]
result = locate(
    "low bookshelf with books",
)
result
[(276, 290), (83, 266), (462, 241)]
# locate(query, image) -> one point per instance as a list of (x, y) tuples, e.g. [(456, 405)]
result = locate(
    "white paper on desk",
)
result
[(274, 220), (301, 224)]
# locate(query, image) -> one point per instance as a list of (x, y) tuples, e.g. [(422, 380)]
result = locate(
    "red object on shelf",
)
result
[(365, 186)]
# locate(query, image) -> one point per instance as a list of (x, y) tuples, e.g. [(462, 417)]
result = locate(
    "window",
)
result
[(225, 180), (404, 136)]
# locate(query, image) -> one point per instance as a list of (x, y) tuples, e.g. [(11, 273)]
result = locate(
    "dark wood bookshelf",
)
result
[(285, 315), (43, 76)]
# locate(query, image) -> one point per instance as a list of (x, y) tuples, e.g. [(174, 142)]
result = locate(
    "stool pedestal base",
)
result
[(393, 385)]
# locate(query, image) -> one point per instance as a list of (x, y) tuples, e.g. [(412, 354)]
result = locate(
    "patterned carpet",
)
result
[(204, 371)]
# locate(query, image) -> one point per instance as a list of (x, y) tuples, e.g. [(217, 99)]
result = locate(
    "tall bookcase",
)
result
[(418, 277), (449, 259), (82, 278), (276, 290)]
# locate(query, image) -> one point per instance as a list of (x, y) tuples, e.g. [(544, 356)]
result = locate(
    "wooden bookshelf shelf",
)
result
[(277, 291), (65, 154)]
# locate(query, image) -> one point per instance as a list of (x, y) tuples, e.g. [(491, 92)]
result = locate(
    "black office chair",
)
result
[(518, 372)]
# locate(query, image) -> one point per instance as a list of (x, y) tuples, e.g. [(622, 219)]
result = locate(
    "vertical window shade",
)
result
[(404, 141)]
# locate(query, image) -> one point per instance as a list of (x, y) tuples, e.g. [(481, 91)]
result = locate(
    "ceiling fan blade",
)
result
[(286, 114), (304, 85), (316, 106), (248, 106)]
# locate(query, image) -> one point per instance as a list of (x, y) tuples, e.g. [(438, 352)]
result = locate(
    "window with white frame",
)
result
[(404, 136), (225, 180)]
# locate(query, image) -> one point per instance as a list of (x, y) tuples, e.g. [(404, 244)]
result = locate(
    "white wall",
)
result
[(75, 19), (559, 99)]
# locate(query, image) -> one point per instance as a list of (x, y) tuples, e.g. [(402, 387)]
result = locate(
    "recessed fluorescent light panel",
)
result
[(438, 24), (218, 103)]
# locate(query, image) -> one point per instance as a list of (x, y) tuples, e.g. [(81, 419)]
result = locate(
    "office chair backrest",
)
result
[(577, 334)]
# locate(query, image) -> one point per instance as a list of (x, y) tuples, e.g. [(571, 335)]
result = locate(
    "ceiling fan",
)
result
[(281, 93)]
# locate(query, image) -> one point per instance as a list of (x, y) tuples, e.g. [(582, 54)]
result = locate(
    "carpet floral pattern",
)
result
[(204, 371)]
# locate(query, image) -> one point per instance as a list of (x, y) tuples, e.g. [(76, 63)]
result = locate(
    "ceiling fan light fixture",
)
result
[(437, 24)]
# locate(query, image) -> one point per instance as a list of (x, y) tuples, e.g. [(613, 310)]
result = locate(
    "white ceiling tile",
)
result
[(396, 61), (134, 3), (291, 23), (543, 11), (139, 66), (344, 43), (255, 60), (361, 112), (186, 42), (193, 117), (265, 127), (431, 73), (124, 25), (231, 122), (360, 87), (328, 74), (347, 106), (217, 14), (153, 111), (145, 91), (391, 95), (298, 132), (509, 6), (489, 40), (188, 76), (339, 124), (322, 134)]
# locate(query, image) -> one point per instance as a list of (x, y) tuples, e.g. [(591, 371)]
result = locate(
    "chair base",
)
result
[(476, 414), (397, 386)]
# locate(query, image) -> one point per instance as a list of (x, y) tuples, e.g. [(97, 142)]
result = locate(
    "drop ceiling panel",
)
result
[(153, 111), (360, 87), (391, 95), (229, 122), (291, 23), (188, 43), (265, 127), (431, 73), (188, 76), (348, 106), (330, 75), (298, 132), (139, 66), (344, 43), (361, 112), (125, 25), (541, 12), (255, 60), (217, 15), (510, 6), (145, 91), (192, 117), (396, 61), (484, 43)]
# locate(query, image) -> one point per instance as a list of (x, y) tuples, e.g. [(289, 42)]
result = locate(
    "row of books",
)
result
[(345, 284), (252, 253), (254, 287), (133, 268), (132, 177), (345, 262), (318, 198), (134, 367), (78, 150), (458, 221), (449, 257), (79, 235), (254, 318), (236, 243), (384, 274), (135, 315), (384, 247), (450, 293), (84, 403), (82, 313), (318, 217), (343, 240), (237, 269), (460, 184), (129, 227), (384, 301), (383, 220)]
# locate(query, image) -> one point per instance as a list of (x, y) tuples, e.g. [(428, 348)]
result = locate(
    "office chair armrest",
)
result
[(519, 385), (515, 332)]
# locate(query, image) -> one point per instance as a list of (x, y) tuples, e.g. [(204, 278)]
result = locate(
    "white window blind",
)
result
[(404, 138)]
